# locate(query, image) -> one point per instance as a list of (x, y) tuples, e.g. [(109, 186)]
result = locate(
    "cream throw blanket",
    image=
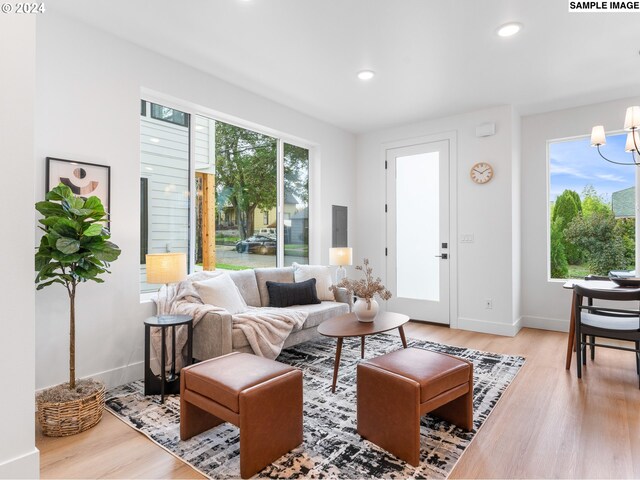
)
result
[(266, 329)]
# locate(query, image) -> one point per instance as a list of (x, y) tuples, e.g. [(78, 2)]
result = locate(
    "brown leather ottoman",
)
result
[(396, 389), (262, 397)]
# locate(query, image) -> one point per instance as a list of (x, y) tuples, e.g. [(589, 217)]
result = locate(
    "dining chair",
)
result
[(592, 347), (600, 319)]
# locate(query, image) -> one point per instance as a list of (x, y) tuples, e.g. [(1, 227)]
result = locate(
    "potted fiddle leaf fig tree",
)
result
[(75, 248)]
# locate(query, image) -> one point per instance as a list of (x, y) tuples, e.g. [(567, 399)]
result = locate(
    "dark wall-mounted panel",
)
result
[(339, 237)]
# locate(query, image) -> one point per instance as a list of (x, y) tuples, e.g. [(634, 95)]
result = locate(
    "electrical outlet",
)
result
[(488, 304)]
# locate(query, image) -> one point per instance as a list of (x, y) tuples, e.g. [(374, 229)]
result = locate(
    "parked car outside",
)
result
[(268, 232), (257, 244)]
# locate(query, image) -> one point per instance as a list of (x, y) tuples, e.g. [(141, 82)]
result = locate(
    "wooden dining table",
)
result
[(594, 285)]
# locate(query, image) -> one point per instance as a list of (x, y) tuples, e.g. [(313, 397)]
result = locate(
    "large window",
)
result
[(164, 186), (251, 203), (296, 204), (592, 205), (246, 186)]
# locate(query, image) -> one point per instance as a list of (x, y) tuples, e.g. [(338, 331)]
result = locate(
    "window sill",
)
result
[(148, 297)]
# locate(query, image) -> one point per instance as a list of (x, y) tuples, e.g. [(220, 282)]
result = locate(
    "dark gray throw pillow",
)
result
[(287, 294)]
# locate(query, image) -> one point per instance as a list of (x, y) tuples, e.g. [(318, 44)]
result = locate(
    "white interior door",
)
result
[(418, 231)]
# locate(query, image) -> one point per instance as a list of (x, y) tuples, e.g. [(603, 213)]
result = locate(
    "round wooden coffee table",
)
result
[(348, 326)]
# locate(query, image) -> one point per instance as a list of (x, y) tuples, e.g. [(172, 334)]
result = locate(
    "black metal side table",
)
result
[(152, 383)]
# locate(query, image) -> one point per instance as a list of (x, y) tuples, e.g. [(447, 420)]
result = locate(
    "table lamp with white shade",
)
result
[(341, 256), (170, 267)]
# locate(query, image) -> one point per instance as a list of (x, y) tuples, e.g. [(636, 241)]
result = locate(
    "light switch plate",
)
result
[(466, 238)]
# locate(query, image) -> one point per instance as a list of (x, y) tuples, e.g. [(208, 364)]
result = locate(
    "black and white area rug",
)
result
[(332, 446)]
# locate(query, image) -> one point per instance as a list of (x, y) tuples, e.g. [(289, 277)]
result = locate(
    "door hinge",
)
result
[(385, 208), (385, 251), (385, 164)]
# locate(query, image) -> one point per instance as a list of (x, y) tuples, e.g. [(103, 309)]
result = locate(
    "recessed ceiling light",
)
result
[(154, 140), (366, 74), (509, 29)]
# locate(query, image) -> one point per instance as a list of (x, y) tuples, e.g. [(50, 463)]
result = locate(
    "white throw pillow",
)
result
[(322, 275), (221, 292)]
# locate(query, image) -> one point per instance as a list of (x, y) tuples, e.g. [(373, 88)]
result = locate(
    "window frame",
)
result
[(144, 219), (548, 202)]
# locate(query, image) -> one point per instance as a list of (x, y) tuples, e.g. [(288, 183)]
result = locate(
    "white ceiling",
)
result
[(432, 57)]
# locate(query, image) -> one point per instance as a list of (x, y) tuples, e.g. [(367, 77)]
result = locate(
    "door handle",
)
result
[(444, 256)]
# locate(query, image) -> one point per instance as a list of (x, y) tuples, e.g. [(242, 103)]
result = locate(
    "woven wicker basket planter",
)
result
[(60, 419)]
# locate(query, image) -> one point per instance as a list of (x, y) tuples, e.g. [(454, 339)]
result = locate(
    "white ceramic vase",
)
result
[(364, 312)]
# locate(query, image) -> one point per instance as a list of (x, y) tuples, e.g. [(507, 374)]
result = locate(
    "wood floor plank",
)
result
[(547, 425), (111, 449)]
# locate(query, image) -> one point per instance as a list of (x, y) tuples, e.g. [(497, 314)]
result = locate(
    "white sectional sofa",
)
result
[(213, 335)]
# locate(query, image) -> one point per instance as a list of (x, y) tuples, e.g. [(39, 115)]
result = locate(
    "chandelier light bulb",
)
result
[(598, 136), (632, 118), (630, 146)]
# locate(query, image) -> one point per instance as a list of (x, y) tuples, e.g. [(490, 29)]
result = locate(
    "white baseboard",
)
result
[(24, 466), (116, 376), (495, 328), (555, 324)]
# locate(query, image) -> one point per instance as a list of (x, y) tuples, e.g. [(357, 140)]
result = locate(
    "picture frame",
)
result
[(84, 179)]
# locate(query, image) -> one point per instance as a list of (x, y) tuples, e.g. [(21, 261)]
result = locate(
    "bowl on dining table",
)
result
[(623, 281)]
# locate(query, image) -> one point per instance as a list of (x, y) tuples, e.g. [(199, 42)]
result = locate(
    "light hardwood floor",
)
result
[(547, 425)]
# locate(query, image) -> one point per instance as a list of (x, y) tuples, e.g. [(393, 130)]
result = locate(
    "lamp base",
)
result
[(341, 273)]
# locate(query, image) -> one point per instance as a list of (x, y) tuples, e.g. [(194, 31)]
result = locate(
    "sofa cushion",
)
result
[(321, 273), (320, 312), (286, 294), (245, 280), (282, 275), (221, 292)]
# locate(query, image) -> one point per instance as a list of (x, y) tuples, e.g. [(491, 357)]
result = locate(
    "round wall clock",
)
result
[(481, 172)]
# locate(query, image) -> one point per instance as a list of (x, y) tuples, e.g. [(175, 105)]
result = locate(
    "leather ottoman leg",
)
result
[(389, 412), (193, 420), (270, 421), (460, 410)]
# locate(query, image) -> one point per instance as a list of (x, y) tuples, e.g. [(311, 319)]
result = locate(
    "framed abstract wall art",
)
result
[(84, 179)]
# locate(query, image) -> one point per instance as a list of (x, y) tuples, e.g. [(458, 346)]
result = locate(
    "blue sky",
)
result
[(574, 164)]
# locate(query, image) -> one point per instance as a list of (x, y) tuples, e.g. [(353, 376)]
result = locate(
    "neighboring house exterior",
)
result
[(262, 219), (300, 227), (164, 204), (623, 203)]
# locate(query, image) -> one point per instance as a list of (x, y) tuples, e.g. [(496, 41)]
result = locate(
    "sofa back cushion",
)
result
[(280, 275), (322, 275), (245, 280), (221, 292), (286, 294)]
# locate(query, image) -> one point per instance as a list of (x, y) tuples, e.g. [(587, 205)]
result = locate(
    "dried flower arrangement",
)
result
[(366, 287)]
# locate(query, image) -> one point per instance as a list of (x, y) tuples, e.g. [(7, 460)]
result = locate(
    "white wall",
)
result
[(18, 455), (88, 92), (488, 267), (545, 304)]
